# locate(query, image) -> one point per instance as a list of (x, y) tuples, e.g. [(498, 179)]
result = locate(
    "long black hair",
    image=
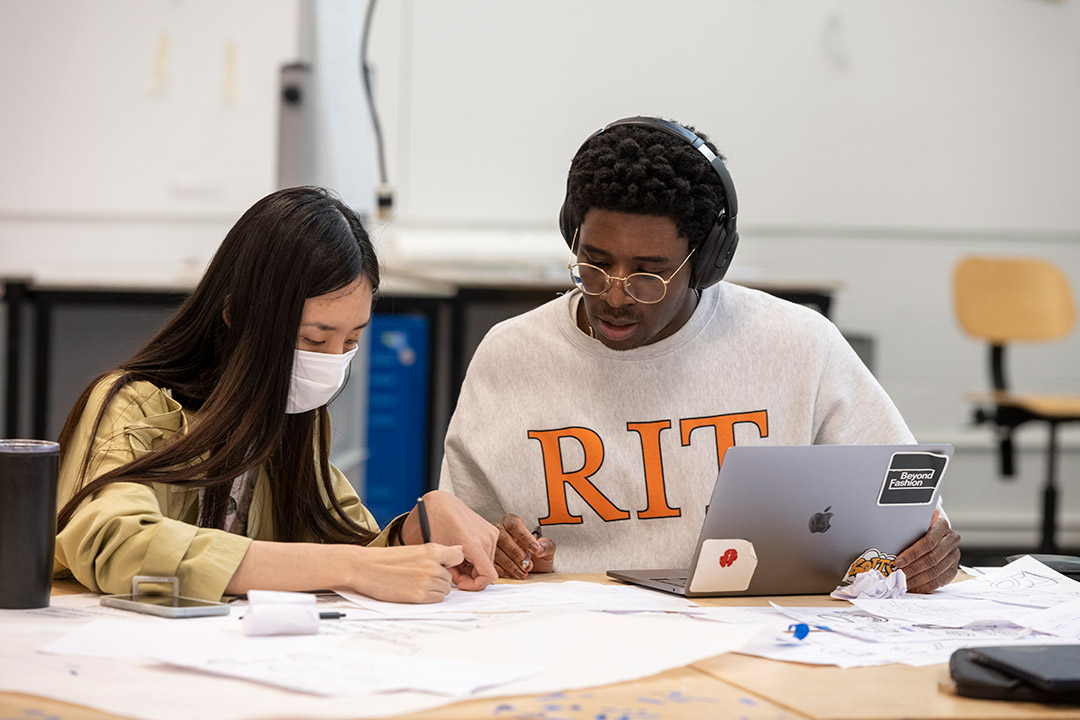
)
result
[(228, 354)]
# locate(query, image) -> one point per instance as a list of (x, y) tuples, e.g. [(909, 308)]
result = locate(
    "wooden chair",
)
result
[(1008, 300)]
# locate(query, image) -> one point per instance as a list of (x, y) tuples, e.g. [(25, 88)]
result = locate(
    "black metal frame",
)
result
[(44, 303), (1005, 419)]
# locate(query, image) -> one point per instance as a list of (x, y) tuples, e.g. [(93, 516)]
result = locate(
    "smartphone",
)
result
[(1053, 668), (170, 606)]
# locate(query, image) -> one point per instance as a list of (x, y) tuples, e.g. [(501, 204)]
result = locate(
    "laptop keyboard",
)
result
[(677, 581)]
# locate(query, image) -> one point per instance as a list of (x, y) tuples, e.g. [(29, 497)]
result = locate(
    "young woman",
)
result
[(205, 456)]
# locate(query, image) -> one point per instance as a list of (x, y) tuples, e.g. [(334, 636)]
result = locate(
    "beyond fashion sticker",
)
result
[(912, 478)]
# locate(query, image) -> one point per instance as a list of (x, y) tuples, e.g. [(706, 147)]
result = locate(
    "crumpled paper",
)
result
[(872, 584)]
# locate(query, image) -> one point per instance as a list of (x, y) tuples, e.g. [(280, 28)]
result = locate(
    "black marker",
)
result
[(322, 616), (425, 529)]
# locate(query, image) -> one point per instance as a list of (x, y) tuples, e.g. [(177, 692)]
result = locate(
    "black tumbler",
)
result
[(28, 476)]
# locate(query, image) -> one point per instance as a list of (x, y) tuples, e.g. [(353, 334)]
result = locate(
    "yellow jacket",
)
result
[(129, 529)]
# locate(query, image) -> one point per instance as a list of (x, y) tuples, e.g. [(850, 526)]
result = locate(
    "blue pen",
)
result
[(801, 630)]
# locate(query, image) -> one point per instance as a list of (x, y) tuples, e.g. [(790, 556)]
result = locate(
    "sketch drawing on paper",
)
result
[(1023, 580)]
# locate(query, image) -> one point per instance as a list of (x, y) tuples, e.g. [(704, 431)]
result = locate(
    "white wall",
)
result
[(136, 130), (872, 143), (855, 114)]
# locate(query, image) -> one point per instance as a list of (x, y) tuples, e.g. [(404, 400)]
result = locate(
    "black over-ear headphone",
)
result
[(714, 253)]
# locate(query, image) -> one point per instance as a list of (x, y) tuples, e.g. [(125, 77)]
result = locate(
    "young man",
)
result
[(602, 417)]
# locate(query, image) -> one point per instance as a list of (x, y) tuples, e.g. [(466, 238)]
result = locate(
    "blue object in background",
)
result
[(396, 468)]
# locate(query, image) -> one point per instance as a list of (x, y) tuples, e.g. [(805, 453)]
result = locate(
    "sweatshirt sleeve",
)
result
[(129, 529), (851, 407)]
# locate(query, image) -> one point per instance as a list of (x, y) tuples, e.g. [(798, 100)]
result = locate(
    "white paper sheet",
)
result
[(132, 640), (573, 650), (1023, 582), (830, 648), (866, 627), (587, 649), (577, 649), (975, 571), (573, 595), (951, 613), (755, 615), (349, 673), (1061, 620), (858, 639), (138, 689)]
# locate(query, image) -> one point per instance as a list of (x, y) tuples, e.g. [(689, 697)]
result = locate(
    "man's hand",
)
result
[(521, 551), (932, 561)]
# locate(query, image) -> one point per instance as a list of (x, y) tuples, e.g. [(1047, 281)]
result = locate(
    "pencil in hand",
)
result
[(425, 528), (528, 553)]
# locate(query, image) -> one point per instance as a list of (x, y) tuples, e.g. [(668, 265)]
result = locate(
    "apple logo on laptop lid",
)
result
[(819, 522)]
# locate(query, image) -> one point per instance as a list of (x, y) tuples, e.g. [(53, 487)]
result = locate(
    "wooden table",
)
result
[(725, 686)]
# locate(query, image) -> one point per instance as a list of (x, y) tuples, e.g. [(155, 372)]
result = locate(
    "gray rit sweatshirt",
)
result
[(615, 453)]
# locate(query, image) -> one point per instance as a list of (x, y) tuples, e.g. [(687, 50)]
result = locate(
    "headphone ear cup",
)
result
[(727, 252), (715, 254), (565, 224)]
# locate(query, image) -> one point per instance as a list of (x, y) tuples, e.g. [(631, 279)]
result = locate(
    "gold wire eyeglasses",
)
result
[(647, 288)]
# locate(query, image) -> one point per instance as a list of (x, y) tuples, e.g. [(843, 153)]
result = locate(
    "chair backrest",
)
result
[(1006, 299)]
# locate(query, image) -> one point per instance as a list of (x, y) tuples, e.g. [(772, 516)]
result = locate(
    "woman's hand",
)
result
[(520, 551), (452, 523), (408, 573), (412, 574)]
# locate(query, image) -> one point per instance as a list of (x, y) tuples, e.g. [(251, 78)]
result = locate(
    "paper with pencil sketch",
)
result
[(573, 595), (849, 637), (1062, 620), (148, 690), (867, 627), (345, 672), (576, 649), (310, 663), (586, 649), (942, 612), (1022, 582)]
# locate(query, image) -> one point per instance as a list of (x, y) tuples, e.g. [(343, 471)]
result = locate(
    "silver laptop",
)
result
[(794, 520)]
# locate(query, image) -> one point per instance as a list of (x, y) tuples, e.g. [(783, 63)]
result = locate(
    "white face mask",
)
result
[(316, 377)]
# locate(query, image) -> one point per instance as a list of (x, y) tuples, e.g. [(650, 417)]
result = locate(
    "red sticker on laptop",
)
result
[(724, 566)]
